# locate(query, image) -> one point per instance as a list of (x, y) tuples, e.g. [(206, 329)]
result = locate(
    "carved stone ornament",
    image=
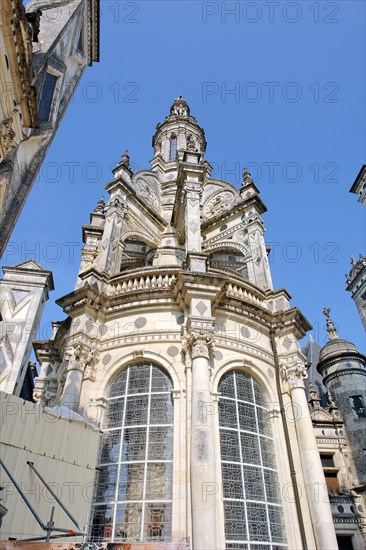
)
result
[(191, 146), (90, 363), (116, 205), (144, 190), (293, 376), (73, 358), (218, 204), (201, 344), (7, 136), (46, 387), (331, 329), (321, 415), (192, 190)]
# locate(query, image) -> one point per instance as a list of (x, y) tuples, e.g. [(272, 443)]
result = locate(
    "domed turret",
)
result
[(180, 107), (179, 132), (337, 350), (343, 369)]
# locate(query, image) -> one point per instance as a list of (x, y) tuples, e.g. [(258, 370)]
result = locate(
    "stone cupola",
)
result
[(178, 133)]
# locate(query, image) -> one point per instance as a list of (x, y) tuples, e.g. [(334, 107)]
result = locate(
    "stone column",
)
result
[(315, 485), (203, 480), (74, 378)]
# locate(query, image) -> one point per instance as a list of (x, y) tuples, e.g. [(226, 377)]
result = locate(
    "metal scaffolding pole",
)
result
[(49, 527), (51, 491)]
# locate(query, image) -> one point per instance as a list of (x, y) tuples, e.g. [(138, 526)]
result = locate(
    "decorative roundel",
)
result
[(218, 204), (140, 322), (106, 359), (173, 351)]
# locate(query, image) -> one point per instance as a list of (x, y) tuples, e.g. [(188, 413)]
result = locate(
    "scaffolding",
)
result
[(48, 527)]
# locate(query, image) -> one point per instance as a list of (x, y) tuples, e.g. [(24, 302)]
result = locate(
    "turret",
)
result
[(178, 136), (343, 369)]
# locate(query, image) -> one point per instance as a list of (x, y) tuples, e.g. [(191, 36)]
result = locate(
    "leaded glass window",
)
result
[(252, 504), (133, 496)]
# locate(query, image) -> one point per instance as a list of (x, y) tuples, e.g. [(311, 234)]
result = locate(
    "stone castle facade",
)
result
[(177, 344)]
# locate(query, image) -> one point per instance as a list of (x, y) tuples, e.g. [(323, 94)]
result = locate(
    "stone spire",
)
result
[(99, 209), (247, 178), (331, 330), (314, 397), (125, 159)]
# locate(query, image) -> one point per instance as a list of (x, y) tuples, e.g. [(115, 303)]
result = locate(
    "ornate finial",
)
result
[(353, 260), (331, 330), (99, 209), (362, 258), (331, 402), (314, 397), (247, 178), (125, 159)]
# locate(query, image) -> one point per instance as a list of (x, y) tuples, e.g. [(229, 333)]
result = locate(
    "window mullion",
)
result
[(261, 464), (146, 457), (119, 466), (241, 457)]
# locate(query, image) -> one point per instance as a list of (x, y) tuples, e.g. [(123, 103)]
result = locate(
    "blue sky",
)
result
[(295, 116)]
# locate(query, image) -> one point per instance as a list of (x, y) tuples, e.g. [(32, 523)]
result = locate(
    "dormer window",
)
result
[(173, 148)]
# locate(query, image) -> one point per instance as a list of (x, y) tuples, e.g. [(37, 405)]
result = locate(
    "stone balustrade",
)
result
[(244, 294), (131, 283)]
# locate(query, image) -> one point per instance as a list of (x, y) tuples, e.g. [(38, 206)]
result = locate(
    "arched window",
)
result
[(136, 253), (133, 497), (229, 259), (173, 148), (252, 505)]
